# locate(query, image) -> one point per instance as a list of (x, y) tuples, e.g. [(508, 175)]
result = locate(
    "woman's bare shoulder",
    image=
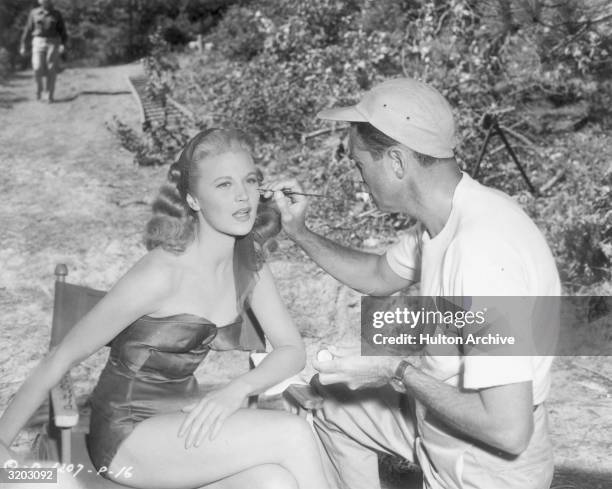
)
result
[(158, 271)]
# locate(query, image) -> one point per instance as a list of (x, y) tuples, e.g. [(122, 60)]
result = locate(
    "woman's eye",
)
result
[(253, 181), (224, 185)]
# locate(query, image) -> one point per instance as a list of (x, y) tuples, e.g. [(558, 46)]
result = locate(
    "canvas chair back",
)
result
[(72, 302)]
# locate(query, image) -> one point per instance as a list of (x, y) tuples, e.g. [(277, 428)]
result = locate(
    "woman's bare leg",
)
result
[(269, 476), (248, 439)]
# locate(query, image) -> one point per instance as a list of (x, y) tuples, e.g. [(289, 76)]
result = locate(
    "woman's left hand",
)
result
[(208, 415)]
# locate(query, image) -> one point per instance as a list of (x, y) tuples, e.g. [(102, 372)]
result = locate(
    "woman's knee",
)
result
[(296, 428), (267, 476)]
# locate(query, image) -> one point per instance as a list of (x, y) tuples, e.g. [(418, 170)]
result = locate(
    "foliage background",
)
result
[(543, 68), (104, 32), (271, 65)]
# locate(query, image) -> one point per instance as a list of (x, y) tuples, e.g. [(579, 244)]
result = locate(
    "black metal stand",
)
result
[(490, 123)]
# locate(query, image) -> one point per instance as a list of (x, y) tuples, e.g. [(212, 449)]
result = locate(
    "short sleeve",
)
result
[(491, 275), (404, 257), (480, 372), (486, 267)]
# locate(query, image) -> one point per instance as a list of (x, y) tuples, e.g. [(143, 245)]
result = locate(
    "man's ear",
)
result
[(191, 202), (398, 161)]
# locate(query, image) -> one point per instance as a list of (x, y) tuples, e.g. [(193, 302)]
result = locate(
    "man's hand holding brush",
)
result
[(357, 269), (292, 205)]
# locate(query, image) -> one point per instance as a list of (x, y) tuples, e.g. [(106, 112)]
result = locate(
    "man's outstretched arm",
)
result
[(500, 416), (368, 273), (365, 272)]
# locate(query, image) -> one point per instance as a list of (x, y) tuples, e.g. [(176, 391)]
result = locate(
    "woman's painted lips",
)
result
[(243, 214)]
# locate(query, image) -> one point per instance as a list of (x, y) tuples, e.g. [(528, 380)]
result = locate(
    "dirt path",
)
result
[(71, 194), (62, 172)]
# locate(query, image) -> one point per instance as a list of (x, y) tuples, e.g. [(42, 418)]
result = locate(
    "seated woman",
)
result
[(182, 299)]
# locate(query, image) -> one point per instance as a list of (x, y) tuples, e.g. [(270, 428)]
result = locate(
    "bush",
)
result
[(576, 218), (239, 36), (108, 31), (161, 140), (277, 63)]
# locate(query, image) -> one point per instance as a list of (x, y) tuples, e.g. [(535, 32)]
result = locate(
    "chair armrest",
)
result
[(303, 396), (63, 404)]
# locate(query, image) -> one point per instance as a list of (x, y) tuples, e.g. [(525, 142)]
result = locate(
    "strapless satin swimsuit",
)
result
[(150, 371)]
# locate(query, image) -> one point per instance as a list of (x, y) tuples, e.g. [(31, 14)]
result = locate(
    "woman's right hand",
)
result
[(292, 207), (207, 416)]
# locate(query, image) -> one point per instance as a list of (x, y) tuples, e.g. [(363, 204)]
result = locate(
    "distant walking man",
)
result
[(46, 27)]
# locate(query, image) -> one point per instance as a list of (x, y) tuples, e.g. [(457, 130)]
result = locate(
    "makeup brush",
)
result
[(288, 192)]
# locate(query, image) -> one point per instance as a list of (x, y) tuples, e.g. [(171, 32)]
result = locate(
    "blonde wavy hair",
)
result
[(173, 224)]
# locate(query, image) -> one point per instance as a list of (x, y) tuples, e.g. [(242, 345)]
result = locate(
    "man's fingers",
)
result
[(327, 379), (324, 367), (345, 351), (291, 184), (282, 203), (290, 189), (286, 196), (296, 198), (335, 366)]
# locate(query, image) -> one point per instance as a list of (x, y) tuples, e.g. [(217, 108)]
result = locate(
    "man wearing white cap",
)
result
[(469, 422)]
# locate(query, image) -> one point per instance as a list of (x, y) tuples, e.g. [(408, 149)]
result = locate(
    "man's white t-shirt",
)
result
[(488, 247)]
